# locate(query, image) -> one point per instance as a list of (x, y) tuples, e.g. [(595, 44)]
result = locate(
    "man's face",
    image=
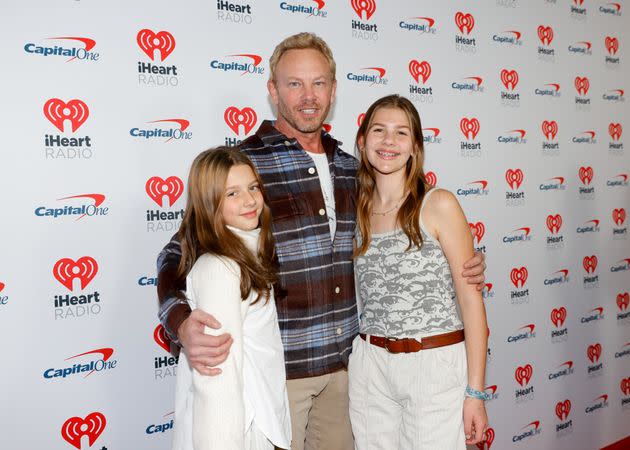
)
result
[(303, 91)]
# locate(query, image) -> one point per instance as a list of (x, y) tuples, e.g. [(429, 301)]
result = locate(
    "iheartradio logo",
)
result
[(235, 117), (161, 339), (563, 409), (611, 44), (431, 178), (554, 223), (582, 85), (614, 129), (589, 263), (2, 285), (66, 270), (57, 112), (75, 428), (420, 70), (619, 216), (514, 178), (623, 300), (363, 6), (149, 42), (593, 352), (157, 188), (523, 374), (549, 129), (509, 78), (360, 118), (488, 439), (518, 277), (586, 175), (469, 127), (558, 316), (478, 230), (545, 34), (465, 22), (625, 386)]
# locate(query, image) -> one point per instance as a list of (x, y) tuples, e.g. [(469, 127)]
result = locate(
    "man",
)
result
[(310, 185)]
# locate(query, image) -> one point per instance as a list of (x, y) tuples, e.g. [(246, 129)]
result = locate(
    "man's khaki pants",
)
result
[(319, 412)]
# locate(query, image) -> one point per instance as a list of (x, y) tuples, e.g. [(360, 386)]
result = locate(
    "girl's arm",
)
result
[(446, 221), (218, 405)]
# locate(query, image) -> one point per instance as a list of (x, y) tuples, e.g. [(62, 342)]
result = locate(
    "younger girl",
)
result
[(415, 383), (227, 252)]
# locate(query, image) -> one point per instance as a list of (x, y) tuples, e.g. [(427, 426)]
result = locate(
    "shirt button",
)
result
[(337, 290), (287, 143), (339, 331), (322, 212), (311, 170)]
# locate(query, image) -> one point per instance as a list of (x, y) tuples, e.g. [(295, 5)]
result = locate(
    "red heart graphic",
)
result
[(589, 263), (582, 85), (160, 337), (420, 70), (75, 428), (563, 409), (509, 79), (234, 117), (431, 178), (163, 41), (615, 129), (488, 440), (612, 44), (545, 34), (625, 385), (524, 374), (586, 175), (470, 127), (363, 6), (554, 223), (157, 188), (478, 230), (66, 270), (465, 22), (550, 129), (360, 118), (594, 352), (619, 216), (2, 285), (514, 178), (57, 111), (558, 316), (623, 300), (518, 277)]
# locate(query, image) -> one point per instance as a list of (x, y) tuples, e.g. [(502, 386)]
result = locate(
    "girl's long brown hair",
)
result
[(415, 183), (203, 229)]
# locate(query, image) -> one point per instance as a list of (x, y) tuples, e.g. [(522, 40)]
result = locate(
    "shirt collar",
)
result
[(270, 135)]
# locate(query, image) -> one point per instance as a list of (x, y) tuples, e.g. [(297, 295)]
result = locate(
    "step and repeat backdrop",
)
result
[(105, 105)]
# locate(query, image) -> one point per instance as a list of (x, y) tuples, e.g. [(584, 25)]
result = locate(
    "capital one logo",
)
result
[(478, 230), (66, 270), (554, 223), (161, 339), (431, 178), (619, 216), (514, 178), (549, 129), (586, 175), (75, 428), (523, 374), (157, 188), (518, 277), (488, 439), (162, 41), (545, 34), (465, 22), (364, 6), (582, 85), (589, 263), (57, 112), (509, 78), (235, 117), (611, 44), (558, 316), (623, 300), (625, 386), (563, 409), (614, 129), (420, 70), (593, 352), (469, 127)]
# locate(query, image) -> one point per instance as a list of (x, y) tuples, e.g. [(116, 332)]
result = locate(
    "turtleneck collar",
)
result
[(249, 238)]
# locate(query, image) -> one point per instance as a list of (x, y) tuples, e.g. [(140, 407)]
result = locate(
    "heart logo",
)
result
[(478, 230), (586, 175), (234, 117), (66, 270), (623, 300), (509, 78), (2, 285), (57, 111), (614, 129), (514, 178), (612, 44), (157, 188), (619, 216), (161, 339), (545, 34), (594, 352), (518, 277), (563, 409), (363, 6), (550, 129), (625, 386), (524, 374), (558, 316), (554, 223), (75, 428), (465, 22), (431, 178), (360, 118), (589, 263), (470, 127), (162, 41), (488, 440), (420, 70), (582, 85)]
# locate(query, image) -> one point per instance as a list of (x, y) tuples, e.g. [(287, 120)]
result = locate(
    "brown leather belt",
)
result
[(410, 345)]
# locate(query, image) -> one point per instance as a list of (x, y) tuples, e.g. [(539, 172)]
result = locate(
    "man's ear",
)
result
[(273, 90), (333, 94)]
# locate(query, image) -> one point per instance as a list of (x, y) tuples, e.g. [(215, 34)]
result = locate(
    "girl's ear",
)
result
[(360, 142)]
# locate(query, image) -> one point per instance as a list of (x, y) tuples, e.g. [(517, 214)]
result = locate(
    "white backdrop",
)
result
[(105, 104)]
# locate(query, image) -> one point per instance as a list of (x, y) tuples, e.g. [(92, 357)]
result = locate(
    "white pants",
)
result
[(256, 440), (407, 401)]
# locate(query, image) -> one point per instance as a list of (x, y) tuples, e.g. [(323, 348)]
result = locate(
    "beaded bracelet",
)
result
[(474, 393)]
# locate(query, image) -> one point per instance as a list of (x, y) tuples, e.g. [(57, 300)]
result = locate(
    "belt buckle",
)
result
[(387, 341)]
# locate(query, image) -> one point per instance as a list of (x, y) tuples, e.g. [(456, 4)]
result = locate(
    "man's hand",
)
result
[(204, 351), (474, 270)]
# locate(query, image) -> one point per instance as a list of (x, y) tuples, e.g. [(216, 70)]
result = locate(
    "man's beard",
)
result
[(303, 126)]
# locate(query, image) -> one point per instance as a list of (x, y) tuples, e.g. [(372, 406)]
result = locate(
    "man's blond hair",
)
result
[(302, 41)]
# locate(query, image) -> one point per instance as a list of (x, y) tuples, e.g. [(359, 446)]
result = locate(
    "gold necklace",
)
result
[(384, 213)]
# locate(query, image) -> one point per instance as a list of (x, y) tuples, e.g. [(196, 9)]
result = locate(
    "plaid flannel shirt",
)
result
[(315, 296)]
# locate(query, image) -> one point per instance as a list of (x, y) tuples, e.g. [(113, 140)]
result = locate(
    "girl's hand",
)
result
[(475, 420)]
